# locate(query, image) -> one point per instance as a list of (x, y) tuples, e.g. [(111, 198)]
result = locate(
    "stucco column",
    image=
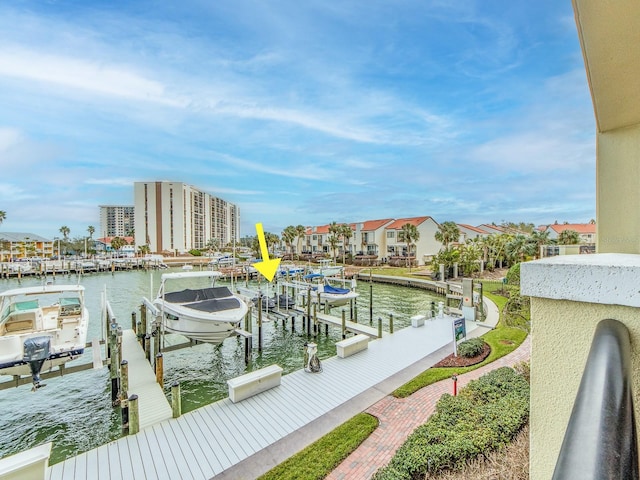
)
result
[(569, 296)]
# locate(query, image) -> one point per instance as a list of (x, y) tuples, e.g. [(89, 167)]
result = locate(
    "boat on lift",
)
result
[(208, 314), (317, 286), (41, 328)]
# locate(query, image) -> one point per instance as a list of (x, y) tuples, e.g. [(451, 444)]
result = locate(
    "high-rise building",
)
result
[(116, 221), (174, 216)]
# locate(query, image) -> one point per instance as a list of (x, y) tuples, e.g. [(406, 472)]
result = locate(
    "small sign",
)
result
[(459, 332)]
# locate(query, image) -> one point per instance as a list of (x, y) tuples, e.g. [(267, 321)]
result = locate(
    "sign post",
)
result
[(459, 332)]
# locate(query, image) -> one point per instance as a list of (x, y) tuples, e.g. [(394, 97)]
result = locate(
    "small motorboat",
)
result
[(208, 314), (41, 328)]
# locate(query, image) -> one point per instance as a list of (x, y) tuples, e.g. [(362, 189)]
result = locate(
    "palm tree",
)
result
[(448, 232), (117, 243), (301, 232), (333, 240), (518, 248), (3, 216), (538, 239), (470, 254), (569, 237), (91, 229), (64, 230), (409, 234), (346, 233), (288, 236)]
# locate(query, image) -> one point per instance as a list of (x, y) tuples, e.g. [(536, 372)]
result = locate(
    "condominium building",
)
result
[(116, 220), (176, 217)]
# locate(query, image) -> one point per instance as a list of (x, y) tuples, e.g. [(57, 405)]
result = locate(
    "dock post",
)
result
[(379, 327), (259, 323), (315, 318), (143, 321), (176, 402), (119, 345), (344, 325), (355, 313), (124, 386), (326, 329), (134, 418), (391, 323), (370, 303), (308, 307), (134, 324), (160, 369), (293, 323), (351, 309), (113, 369), (147, 347)]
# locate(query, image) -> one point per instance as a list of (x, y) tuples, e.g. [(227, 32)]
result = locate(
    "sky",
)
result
[(298, 112)]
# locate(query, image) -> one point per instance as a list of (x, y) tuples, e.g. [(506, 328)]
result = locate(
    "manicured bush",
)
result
[(485, 415), (471, 348)]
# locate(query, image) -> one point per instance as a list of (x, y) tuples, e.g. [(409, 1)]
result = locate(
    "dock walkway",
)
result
[(221, 439), (153, 406)]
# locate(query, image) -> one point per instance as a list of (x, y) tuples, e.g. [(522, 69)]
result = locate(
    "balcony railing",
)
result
[(600, 440)]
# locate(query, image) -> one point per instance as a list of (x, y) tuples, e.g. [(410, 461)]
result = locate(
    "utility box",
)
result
[(468, 304)]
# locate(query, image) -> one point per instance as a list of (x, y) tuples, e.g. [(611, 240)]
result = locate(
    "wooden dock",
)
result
[(153, 406), (214, 439), (352, 327)]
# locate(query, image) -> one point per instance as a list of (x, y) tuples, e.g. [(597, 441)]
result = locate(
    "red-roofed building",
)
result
[(587, 231), (370, 238), (426, 246), (470, 232)]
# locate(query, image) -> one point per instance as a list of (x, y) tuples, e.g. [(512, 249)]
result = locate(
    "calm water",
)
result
[(74, 411)]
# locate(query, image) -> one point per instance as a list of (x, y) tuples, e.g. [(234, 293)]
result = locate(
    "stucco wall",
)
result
[(617, 192)]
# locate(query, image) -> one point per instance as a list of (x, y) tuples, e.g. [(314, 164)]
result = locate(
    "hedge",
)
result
[(485, 416)]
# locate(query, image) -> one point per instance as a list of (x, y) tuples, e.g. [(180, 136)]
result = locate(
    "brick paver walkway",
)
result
[(398, 417)]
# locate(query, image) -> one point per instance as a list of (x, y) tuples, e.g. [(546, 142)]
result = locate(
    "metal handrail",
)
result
[(600, 440)]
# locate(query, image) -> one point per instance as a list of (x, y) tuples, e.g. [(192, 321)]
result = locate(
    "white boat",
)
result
[(319, 289), (41, 328), (328, 268), (208, 314), (187, 266)]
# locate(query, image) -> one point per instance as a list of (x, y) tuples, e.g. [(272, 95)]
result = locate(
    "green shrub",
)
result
[(486, 415), (195, 253), (471, 348), (513, 275)]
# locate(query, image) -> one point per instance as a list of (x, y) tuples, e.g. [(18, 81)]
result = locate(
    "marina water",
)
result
[(74, 411)]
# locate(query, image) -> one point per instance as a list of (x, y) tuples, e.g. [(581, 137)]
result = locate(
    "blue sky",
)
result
[(299, 112)]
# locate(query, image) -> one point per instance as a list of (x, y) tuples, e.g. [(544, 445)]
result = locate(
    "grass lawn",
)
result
[(321, 457)]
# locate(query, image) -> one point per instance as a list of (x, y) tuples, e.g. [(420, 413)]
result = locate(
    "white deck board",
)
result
[(207, 441)]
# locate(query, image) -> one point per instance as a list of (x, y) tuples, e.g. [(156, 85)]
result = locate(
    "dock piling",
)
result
[(391, 323), (344, 325), (176, 402), (160, 369), (379, 327), (124, 386), (134, 418)]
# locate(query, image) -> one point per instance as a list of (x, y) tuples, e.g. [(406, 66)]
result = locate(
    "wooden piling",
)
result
[(379, 327), (260, 323), (147, 347), (113, 369), (160, 369), (124, 386), (391, 323), (370, 303), (176, 401), (134, 417), (344, 325), (134, 324)]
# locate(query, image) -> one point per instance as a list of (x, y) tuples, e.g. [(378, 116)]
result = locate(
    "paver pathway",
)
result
[(398, 417)]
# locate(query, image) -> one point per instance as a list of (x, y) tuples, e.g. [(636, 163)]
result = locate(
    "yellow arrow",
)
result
[(266, 267)]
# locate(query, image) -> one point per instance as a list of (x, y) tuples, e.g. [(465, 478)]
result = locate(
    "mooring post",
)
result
[(315, 318), (134, 324), (176, 402), (113, 369), (134, 418), (124, 386), (160, 369), (391, 323), (370, 303), (308, 307), (355, 313), (379, 327), (344, 325), (143, 320), (260, 323), (351, 309), (147, 347)]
